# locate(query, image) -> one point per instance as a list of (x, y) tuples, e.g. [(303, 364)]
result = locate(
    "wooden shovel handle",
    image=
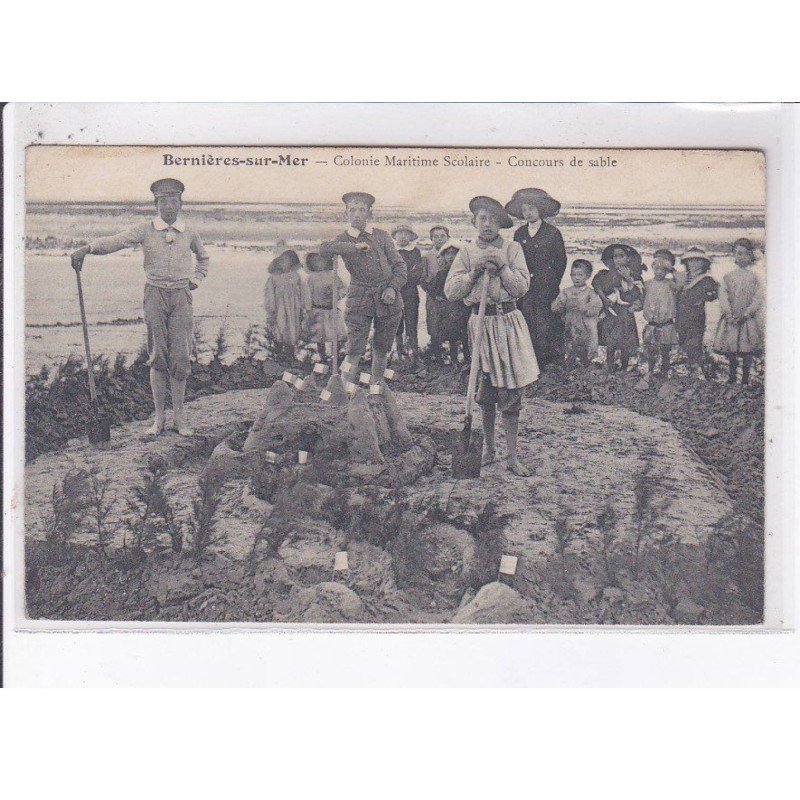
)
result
[(476, 345), (89, 368)]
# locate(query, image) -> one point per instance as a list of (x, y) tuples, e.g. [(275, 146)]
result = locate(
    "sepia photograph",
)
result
[(399, 386)]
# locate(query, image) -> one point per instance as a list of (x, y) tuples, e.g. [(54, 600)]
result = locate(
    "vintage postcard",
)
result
[(394, 385)]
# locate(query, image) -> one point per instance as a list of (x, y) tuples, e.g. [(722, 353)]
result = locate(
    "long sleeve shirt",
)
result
[(173, 254), (510, 283), (380, 266)]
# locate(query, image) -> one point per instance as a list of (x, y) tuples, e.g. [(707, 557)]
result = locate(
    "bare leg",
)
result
[(158, 385), (178, 389), (488, 416), (511, 425)]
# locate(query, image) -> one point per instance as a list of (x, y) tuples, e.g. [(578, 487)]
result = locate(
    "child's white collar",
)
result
[(160, 225), (408, 247)]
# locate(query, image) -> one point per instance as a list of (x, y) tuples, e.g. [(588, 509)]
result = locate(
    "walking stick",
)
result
[(98, 429)]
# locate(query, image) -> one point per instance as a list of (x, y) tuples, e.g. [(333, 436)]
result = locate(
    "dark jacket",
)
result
[(546, 258)]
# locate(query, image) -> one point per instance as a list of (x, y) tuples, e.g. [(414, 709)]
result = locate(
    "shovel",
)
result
[(335, 385), (98, 427), (468, 449)]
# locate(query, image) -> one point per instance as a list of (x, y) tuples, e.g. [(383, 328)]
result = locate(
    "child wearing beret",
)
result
[(175, 263), (287, 302), (377, 273), (507, 360)]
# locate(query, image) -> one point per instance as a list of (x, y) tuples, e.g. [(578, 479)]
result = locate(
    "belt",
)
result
[(323, 308), (492, 310), (662, 324)]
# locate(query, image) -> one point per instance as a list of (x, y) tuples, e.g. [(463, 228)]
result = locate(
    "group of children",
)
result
[(301, 305), (382, 299), (673, 305)]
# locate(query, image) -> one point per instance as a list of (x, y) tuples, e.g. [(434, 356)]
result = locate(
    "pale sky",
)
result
[(670, 177)]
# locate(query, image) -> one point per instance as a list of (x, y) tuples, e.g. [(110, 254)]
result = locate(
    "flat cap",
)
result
[(166, 186), (366, 197)]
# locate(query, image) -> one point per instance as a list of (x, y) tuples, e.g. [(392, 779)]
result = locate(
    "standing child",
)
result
[(581, 306), (435, 303), (287, 301), (695, 289), (659, 311), (507, 361), (404, 237), (621, 296), (377, 273), (739, 331), (454, 315), (325, 322)]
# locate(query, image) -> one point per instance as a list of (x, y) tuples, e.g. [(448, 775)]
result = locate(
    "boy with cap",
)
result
[(175, 263), (377, 273), (435, 302), (507, 360), (404, 237)]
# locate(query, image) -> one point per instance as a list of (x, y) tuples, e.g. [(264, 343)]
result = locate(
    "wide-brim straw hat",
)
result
[(404, 227), (365, 196), (634, 259), (548, 206), (696, 253), (482, 202)]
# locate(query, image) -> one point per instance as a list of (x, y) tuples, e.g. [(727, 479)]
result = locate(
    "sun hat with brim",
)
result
[(634, 259), (404, 227), (166, 186), (366, 197), (696, 253), (483, 203), (548, 206), (287, 260)]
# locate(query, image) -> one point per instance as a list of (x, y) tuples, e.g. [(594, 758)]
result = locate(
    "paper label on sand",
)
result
[(320, 369), (340, 561), (375, 388), (350, 388), (325, 395), (508, 565), (271, 457), (299, 383), (364, 377), (389, 374), (288, 377), (302, 456)]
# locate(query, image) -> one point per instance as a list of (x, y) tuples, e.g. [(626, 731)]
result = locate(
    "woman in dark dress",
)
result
[(696, 288), (621, 293), (546, 258)]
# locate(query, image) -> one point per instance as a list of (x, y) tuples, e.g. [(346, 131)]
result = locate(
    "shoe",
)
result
[(156, 429)]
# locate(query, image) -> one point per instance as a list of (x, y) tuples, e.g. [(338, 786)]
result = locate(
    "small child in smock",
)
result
[(581, 306), (287, 301), (739, 331), (325, 322), (659, 310)]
